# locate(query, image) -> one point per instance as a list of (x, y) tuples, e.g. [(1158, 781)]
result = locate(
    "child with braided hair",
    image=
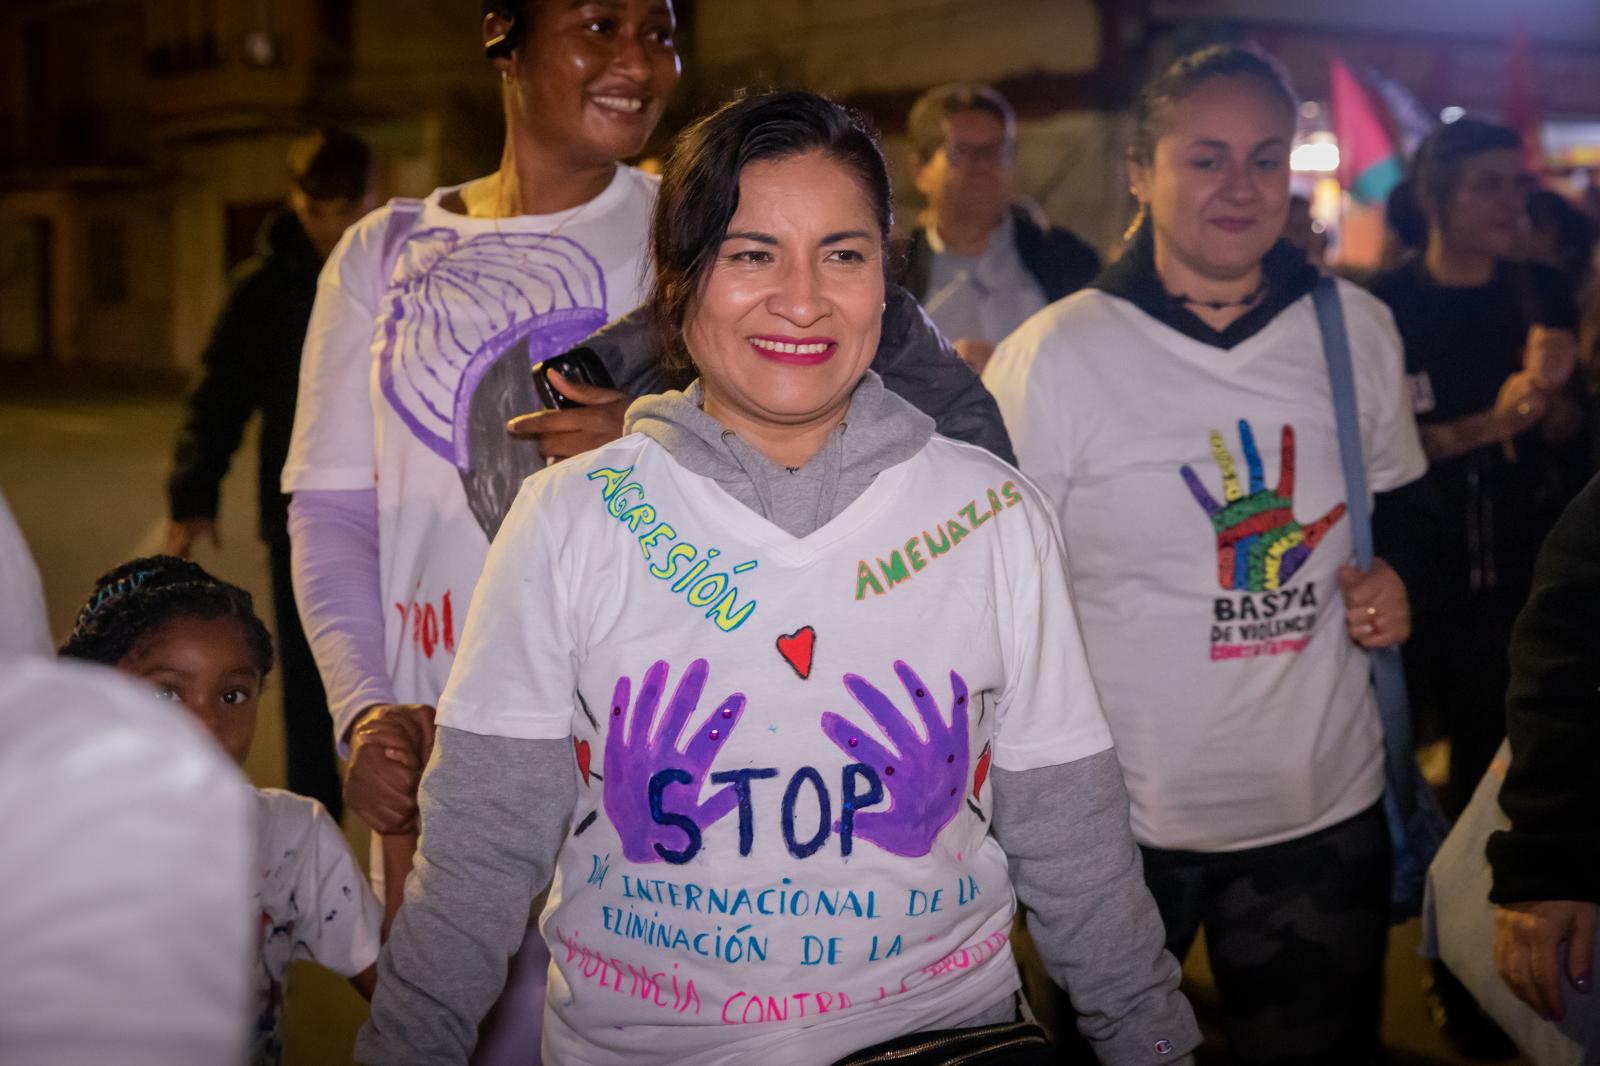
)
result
[(197, 641)]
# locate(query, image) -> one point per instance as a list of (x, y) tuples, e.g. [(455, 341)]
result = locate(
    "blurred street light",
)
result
[(1317, 156)]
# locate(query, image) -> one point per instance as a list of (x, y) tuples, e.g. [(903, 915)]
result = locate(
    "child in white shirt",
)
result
[(198, 641)]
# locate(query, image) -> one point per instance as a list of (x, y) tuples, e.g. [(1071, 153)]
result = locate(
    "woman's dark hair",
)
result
[(1442, 154), (1187, 73), (1404, 217), (330, 164), (700, 188), (136, 599)]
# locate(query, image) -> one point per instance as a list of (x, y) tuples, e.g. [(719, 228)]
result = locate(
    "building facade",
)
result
[(142, 143)]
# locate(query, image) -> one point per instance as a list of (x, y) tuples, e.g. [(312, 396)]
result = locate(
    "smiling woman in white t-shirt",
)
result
[(1179, 414), (782, 688)]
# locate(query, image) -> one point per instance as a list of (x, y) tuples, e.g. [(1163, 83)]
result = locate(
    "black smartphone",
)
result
[(582, 365)]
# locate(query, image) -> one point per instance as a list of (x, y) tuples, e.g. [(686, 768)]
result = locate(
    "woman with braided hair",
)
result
[(198, 642)]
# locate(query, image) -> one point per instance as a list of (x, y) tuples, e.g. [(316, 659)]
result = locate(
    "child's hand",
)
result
[(388, 749)]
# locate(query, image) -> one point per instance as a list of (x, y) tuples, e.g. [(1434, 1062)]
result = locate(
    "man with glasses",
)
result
[(979, 263)]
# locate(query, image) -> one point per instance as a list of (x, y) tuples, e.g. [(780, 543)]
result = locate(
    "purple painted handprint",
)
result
[(648, 774), (924, 778)]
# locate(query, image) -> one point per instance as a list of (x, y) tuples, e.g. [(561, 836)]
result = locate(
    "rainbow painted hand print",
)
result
[(925, 779), (1260, 545), (644, 759)]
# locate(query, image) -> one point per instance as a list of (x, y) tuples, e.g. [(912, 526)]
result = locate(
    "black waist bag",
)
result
[(1010, 1043)]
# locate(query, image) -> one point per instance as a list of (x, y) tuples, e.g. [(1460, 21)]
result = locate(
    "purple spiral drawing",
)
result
[(462, 326), (461, 304)]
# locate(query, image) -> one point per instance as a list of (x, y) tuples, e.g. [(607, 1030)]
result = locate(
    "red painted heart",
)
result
[(582, 748), (796, 649)]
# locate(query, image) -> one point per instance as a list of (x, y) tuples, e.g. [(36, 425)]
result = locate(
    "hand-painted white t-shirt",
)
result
[(780, 850), (1202, 499), (407, 381), (313, 903)]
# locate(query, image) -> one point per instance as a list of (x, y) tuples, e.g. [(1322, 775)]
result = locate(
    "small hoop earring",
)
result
[(1138, 220)]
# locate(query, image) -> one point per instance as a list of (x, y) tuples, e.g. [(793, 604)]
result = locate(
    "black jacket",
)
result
[(1552, 791), (251, 363), (1059, 261)]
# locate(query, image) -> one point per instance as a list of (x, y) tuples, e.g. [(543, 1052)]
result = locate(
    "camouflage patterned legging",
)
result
[(1295, 933)]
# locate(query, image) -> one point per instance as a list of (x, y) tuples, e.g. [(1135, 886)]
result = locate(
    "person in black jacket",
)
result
[(250, 364), (1547, 865), (979, 263)]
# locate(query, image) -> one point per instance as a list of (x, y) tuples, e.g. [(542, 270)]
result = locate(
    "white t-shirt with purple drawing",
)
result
[(418, 352), (780, 850)]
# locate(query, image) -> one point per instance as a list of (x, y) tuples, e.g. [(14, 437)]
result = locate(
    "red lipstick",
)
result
[(794, 351)]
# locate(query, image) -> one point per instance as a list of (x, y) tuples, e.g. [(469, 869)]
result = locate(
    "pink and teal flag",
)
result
[(1521, 106), (1369, 164)]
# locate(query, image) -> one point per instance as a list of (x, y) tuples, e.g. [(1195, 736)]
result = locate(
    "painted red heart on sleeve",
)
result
[(796, 649), (982, 774), (582, 749)]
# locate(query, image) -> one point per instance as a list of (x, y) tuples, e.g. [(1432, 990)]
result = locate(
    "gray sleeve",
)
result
[(493, 813), (1076, 868), (917, 363)]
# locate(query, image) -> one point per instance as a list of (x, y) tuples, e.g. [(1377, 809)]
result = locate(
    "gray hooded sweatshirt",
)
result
[(482, 859)]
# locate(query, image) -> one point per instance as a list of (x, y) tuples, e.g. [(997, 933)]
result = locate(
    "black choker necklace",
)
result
[(1222, 305)]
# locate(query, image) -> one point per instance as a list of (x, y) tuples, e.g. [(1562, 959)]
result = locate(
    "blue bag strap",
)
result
[(1342, 379), (1388, 672)]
